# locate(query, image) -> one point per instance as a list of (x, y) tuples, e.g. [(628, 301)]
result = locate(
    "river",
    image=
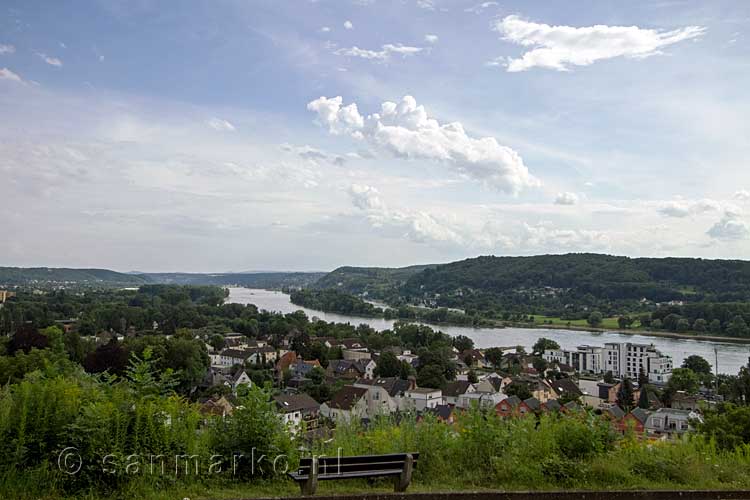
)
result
[(731, 356)]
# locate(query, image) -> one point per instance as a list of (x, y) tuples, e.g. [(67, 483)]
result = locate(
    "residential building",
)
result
[(670, 422), (347, 404), (622, 359), (421, 398), (385, 395), (455, 389), (298, 411)]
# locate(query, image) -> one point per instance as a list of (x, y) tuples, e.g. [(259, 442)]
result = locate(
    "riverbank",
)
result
[(492, 323), (634, 331)]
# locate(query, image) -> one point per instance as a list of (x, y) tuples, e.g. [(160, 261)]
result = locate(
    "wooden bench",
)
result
[(397, 465)]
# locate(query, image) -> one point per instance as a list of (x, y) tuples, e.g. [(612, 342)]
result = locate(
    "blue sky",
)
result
[(211, 137)]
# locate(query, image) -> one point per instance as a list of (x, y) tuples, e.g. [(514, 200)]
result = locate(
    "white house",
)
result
[(421, 398)]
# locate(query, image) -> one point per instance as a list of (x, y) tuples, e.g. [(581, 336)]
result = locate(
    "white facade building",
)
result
[(622, 359)]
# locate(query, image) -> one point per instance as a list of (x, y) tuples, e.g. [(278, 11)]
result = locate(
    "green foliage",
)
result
[(544, 344)]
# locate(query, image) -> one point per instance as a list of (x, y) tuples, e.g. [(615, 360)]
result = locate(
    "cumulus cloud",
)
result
[(220, 125), (417, 226), (729, 228), (381, 55), (6, 74), (6, 49), (566, 198), (406, 130), (325, 29), (431, 38), (684, 208), (742, 195), (348, 25), (468, 231), (426, 4), (559, 47), (52, 61)]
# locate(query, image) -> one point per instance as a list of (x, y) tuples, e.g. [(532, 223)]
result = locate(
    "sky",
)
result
[(235, 135)]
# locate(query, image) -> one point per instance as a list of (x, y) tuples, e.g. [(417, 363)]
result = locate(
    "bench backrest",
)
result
[(331, 466)]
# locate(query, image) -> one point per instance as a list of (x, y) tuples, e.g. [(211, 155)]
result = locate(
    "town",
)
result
[(619, 381)]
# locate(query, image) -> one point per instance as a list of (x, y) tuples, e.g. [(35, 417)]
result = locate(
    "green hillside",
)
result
[(551, 282), (375, 282), (46, 276)]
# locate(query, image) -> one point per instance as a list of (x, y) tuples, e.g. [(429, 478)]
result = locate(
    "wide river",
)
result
[(731, 356)]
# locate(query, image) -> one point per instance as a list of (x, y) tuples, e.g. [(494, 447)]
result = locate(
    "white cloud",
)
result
[(383, 54), (479, 8), (325, 29), (405, 130), (220, 125), (431, 38), (6, 74), (52, 61), (684, 208), (742, 195), (314, 154), (559, 47), (426, 4), (730, 227), (348, 25), (566, 198), (7, 49)]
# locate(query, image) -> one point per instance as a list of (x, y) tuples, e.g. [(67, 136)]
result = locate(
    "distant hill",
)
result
[(376, 282), (47, 276), (250, 280), (44, 277), (554, 280)]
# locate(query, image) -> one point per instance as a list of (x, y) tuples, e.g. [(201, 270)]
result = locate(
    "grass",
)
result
[(479, 452), (609, 323)]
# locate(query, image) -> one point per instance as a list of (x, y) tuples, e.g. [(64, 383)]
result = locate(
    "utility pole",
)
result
[(716, 369)]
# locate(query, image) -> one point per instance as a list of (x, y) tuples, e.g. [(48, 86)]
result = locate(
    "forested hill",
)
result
[(43, 277), (571, 276), (48, 276), (376, 282)]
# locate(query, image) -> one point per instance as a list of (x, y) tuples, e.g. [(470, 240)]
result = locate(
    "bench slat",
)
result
[(348, 475), (345, 466), (361, 458)]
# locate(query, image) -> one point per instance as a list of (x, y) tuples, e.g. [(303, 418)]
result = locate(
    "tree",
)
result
[(518, 389), (472, 377), (700, 325), (544, 344), (683, 379), (738, 327), (388, 365), (683, 325), (697, 363), (595, 318), (462, 343), (26, 338), (431, 376), (111, 357), (624, 322), (494, 355), (625, 394), (715, 326), (729, 426), (609, 377), (643, 401), (216, 341), (642, 378)]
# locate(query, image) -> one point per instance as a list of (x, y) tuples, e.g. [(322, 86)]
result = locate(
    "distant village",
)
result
[(589, 378)]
